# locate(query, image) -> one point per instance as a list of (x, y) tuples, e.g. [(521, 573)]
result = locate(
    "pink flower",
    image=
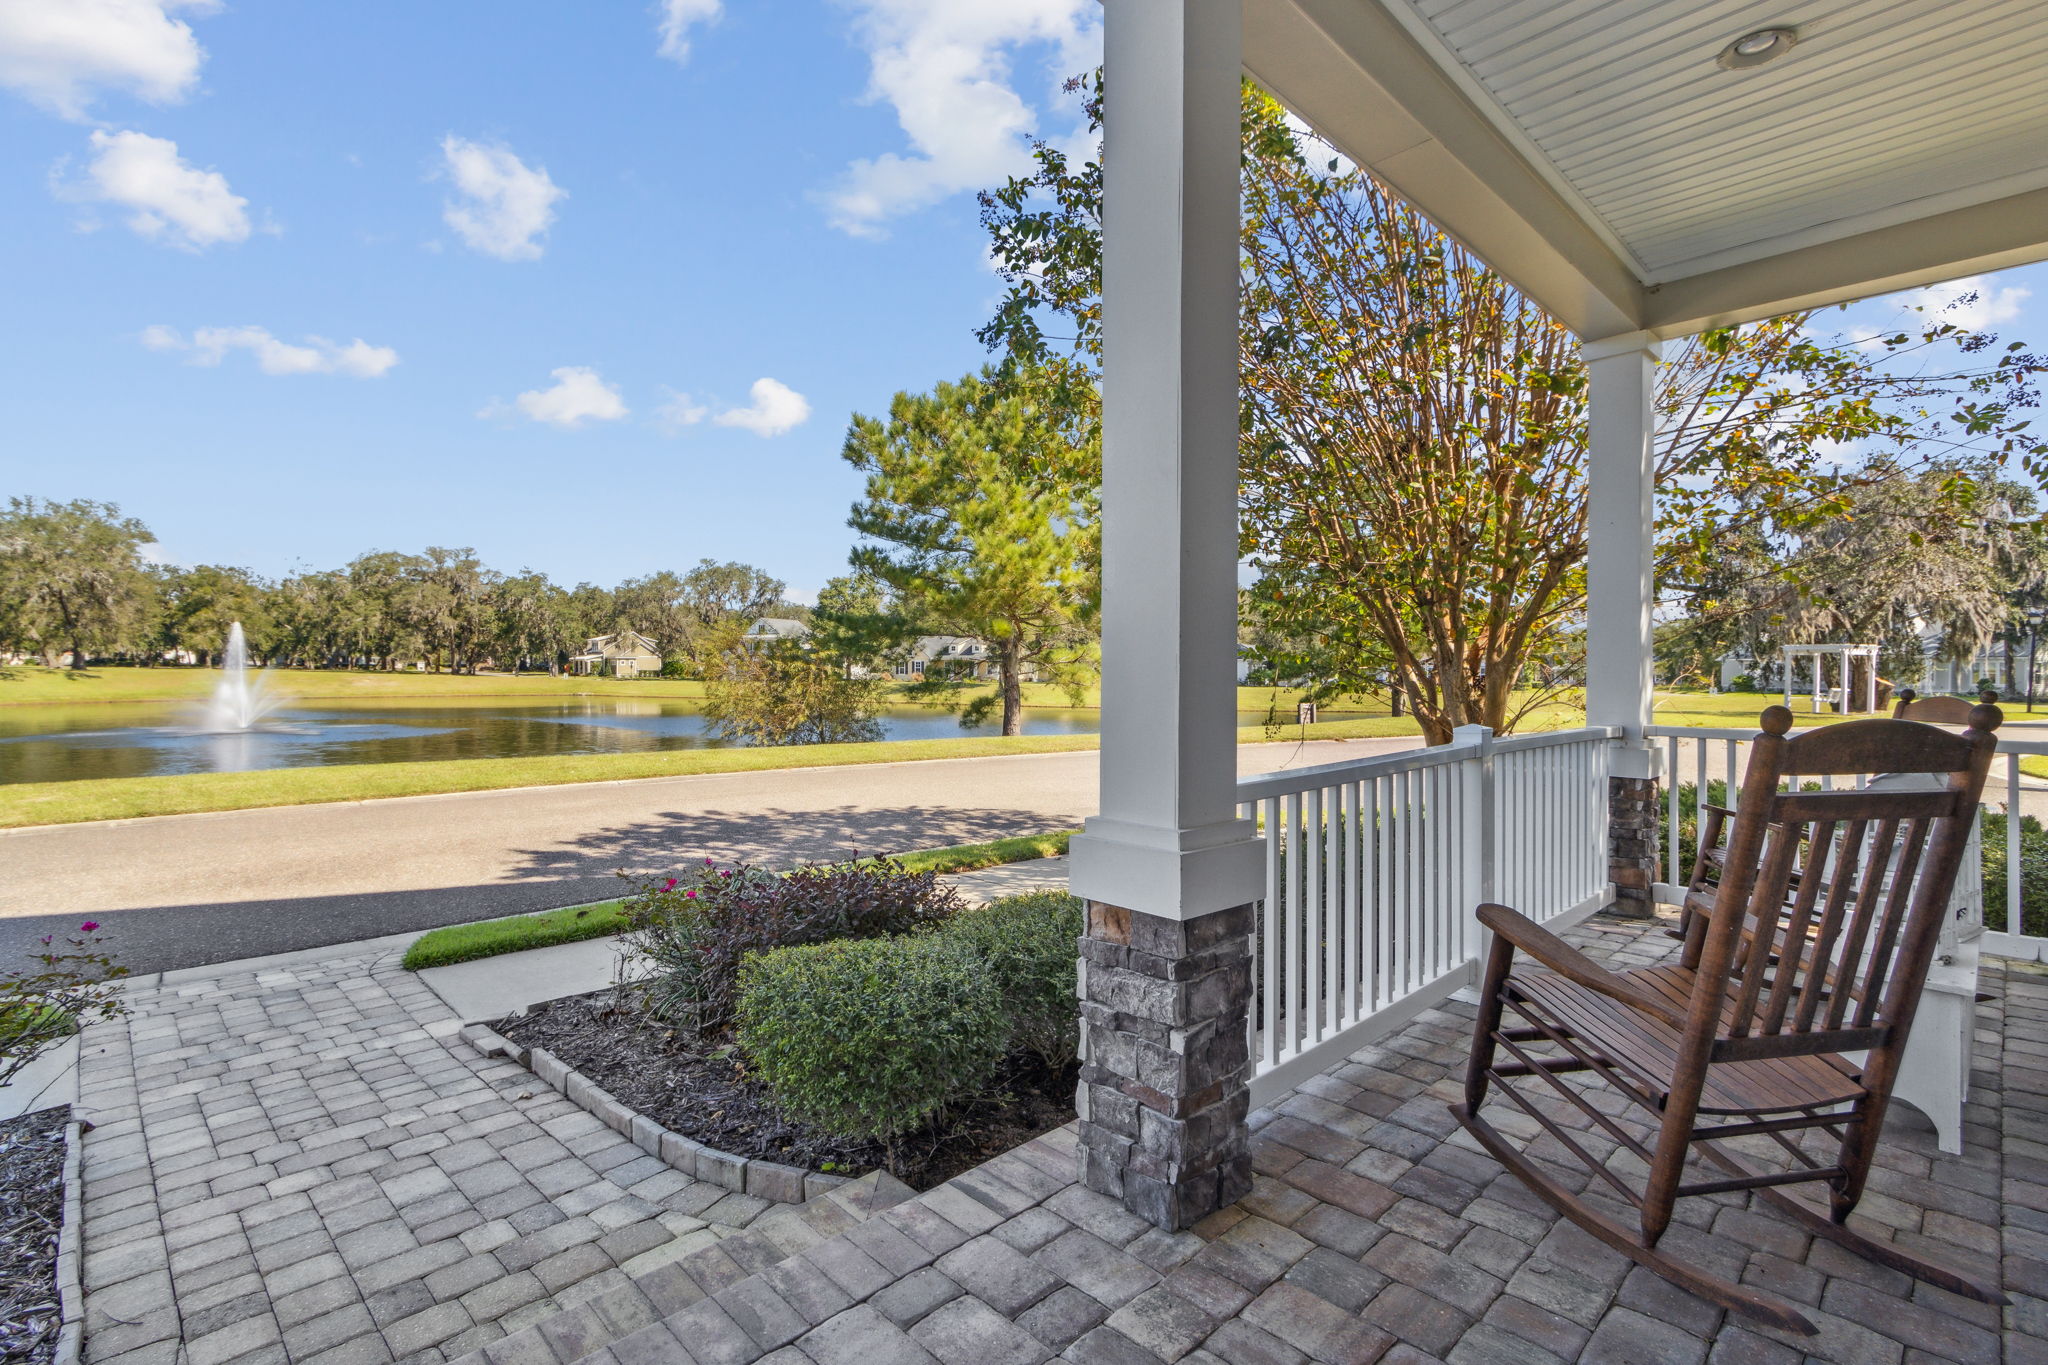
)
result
[(708, 863), (88, 926), (46, 940), (669, 885), (690, 895)]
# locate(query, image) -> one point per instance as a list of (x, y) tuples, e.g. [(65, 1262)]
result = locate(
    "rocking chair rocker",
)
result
[(1814, 945)]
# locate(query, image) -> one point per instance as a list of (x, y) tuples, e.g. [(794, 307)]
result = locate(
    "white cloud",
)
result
[(1838, 454), (1973, 302), (503, 205), (316, 355), (776, 408), (58, 54), (677, 17), (679, 411), (578, 395), (944, 66), (173, 200)]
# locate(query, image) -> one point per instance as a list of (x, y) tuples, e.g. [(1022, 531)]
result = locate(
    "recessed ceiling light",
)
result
[(1754, 49)]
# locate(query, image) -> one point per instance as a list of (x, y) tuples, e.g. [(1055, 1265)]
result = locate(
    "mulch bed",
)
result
[(701, 1089), (31, 1216)]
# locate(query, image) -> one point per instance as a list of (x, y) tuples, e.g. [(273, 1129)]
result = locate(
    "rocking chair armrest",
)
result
[(1553, 952)]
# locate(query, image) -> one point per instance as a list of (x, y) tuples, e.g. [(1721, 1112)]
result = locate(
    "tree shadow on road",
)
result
[(773, 838), (162, 938)]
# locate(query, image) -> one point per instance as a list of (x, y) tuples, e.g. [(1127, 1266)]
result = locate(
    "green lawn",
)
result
[(514, 934), (573, 924)]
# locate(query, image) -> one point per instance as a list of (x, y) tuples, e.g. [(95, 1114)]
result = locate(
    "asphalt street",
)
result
[(183, 890)]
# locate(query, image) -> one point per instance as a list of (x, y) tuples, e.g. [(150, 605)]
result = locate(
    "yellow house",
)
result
[(627, 654)]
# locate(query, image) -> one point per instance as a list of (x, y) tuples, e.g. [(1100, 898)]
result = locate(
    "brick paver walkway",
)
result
[(300, 1163), (314, 1175)]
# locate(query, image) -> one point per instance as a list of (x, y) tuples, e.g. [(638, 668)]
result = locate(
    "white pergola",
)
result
[(1605, 157), (1847, 654)]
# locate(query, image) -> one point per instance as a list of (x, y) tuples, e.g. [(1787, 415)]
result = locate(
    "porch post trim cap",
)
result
[(1604, 348)]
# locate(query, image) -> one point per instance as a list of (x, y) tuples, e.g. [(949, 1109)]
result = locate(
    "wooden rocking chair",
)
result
[(1747, 1035)]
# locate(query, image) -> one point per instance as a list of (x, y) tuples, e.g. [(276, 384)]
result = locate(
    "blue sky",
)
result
[(789, 200), (593, 288)]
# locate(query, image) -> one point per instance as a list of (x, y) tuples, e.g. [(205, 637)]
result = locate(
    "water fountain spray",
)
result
[(238, 702)]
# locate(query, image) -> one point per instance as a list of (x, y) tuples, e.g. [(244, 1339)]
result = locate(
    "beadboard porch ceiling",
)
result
[(1596, 152)]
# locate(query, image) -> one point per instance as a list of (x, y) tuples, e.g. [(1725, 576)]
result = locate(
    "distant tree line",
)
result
[(75, 579)]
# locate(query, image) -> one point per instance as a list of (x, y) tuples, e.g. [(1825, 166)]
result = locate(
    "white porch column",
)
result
[(1167, 867), (1621, 591)]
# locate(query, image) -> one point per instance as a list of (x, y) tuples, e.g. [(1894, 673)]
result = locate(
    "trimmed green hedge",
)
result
[(871, 1038), (874, 1038), (2033, 874), (1030, 945)]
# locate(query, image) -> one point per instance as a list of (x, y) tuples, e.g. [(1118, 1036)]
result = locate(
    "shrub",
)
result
[(872, 1038), (2033, 874), (1029, 945), (74, 984), (696, 931)]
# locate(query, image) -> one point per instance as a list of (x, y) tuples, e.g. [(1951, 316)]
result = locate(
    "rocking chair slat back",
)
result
[(1868, 848)]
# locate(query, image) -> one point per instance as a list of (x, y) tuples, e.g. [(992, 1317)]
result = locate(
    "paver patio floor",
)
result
[(297, 1161), (298, 1157)]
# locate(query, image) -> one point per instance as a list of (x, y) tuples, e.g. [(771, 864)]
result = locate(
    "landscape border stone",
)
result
[(70, 1251), (774, 1181)]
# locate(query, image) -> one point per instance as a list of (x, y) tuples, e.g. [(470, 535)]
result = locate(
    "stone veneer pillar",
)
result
[(1632, 835), (1165, 1061)]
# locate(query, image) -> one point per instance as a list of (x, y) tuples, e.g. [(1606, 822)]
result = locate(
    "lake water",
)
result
[(68, 743)]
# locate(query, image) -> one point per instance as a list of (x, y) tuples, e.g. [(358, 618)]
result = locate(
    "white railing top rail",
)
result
[(1288, 781), (1544, 739), (2007, 744)]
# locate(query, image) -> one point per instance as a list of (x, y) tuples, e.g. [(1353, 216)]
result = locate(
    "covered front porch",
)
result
[(1244, 938)]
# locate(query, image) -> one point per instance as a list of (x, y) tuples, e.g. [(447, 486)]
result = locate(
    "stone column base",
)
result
[(1632, 835), (1165, 1061)]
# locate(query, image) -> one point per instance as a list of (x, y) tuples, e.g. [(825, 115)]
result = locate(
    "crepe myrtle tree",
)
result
[(1413, 449), (968, 521)]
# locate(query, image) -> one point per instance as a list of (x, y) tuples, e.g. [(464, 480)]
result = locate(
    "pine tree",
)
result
[(966, 523)]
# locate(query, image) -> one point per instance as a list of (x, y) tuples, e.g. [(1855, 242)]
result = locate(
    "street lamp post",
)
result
[(2035, 616)]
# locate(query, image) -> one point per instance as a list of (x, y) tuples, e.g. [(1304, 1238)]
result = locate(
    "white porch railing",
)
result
[(1373, 869), (1698, 758)]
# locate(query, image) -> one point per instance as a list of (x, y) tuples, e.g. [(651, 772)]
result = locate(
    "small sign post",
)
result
[(1305, 712)]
